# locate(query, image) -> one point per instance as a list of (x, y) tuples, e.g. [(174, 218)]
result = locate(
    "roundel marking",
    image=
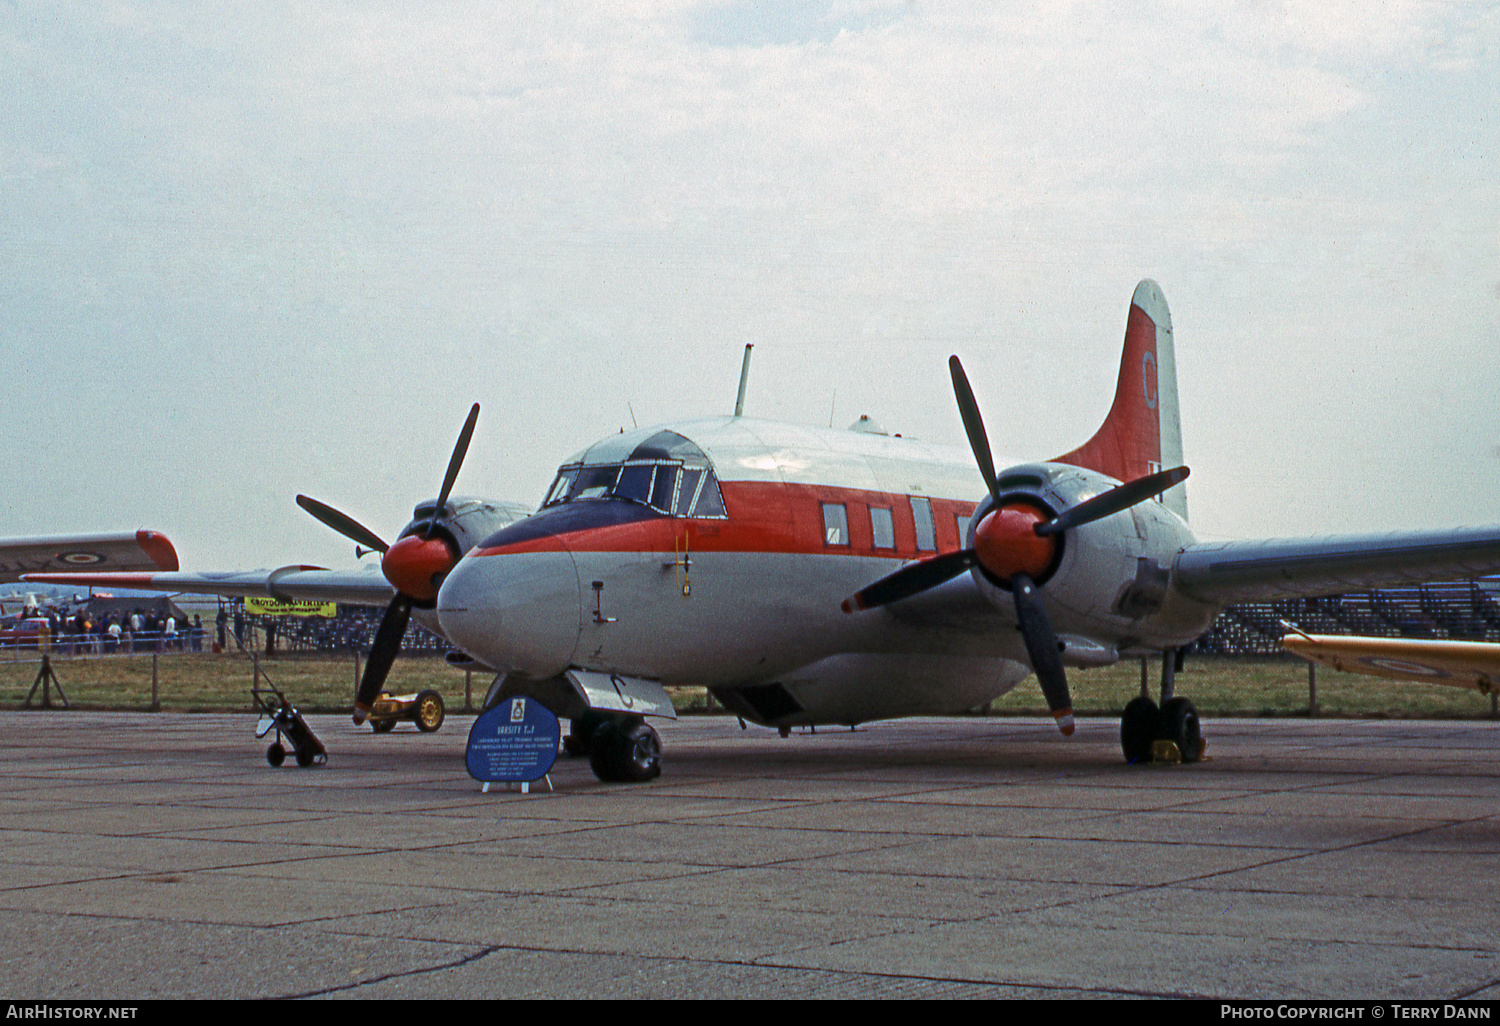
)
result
[(1148, 379), (1402, 666), (80, 558)]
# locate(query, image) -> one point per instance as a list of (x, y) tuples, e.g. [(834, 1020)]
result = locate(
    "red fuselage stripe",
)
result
[(767, 517)]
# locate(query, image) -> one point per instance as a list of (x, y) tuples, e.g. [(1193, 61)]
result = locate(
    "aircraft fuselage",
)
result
[(623, 571)]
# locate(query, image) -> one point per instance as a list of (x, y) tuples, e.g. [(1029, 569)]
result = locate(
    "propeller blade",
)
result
[(344, 525), (911, 580), (454, 463), (382, 655), (1041, 646), (979, 442), (1113, 501)]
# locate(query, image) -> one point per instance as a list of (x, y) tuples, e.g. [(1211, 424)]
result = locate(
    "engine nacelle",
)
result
[(1106, 584), (465, 521), (435, 540)]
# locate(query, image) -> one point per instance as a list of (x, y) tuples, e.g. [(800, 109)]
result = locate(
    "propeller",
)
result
[(415, 565), (343, 524), (1015, 543)]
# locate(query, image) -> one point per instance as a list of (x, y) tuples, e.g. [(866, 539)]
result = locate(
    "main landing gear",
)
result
[(1167, 733), (621, 749)]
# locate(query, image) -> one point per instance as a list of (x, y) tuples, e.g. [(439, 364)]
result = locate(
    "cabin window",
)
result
[(710, 503), (963, 529), (664, 488), (559, 489), (593, 483), (921, 514), (635, 482), (687, 491), (835, 524), (882, 528)]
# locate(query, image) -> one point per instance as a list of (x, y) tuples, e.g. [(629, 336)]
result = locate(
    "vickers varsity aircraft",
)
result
[(812, 576), (834, 577)]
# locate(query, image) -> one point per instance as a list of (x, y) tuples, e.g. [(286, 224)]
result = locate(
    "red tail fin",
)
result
[(1142, 433)]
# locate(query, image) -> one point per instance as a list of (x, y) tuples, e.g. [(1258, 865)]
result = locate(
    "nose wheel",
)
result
[(621, 749)]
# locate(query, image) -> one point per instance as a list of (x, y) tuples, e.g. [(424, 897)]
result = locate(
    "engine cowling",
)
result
[(1105, 584)]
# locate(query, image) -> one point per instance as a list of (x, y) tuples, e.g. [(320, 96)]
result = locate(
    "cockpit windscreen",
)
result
[(666, 472)]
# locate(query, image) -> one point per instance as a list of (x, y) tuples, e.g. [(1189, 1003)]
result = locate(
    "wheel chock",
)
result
[(1165, 753)]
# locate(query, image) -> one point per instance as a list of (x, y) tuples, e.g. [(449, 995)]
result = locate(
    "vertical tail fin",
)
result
[(1142, 433)]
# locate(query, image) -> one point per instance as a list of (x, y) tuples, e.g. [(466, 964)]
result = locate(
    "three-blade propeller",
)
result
[(415, 566), (1015, 543)]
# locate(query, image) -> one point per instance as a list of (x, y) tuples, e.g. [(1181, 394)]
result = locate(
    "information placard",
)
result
[(516, 741)]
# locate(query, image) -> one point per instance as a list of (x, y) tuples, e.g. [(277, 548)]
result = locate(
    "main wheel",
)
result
[(625, 752), (1139, 726), (1179, 724), (276, 754), (306, 757), (429, 714)]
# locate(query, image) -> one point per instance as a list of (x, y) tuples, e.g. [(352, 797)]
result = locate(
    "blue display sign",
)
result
[(516, 741)]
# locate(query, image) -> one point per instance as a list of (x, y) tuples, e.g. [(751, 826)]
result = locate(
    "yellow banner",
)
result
[(300, 607)]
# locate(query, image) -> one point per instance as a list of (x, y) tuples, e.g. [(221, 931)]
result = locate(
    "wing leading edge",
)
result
[(1279, 568), (309, 583)]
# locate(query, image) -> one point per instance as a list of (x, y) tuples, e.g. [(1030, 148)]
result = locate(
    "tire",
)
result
[(382, 726), (626, 752), (1179, 724), (429, 711), (276, 754), (306, 757), (1139, 726)]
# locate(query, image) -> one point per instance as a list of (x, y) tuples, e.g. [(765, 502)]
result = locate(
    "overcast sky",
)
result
[(253, 250)]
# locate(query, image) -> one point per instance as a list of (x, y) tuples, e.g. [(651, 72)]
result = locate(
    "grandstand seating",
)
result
[(1462, 610)]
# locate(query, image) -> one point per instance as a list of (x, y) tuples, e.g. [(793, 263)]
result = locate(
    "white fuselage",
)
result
[(743, 593)]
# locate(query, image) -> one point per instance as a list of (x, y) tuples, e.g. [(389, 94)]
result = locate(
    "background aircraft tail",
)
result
[(1142, 433)]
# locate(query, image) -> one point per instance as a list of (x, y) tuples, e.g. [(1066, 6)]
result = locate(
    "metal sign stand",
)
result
[(525, 784), (46, 679)]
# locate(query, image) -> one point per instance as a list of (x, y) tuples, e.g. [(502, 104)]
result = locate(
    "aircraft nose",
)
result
[(514, 611)]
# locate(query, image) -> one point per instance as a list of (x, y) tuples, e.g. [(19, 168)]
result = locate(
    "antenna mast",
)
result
[(739, 403)]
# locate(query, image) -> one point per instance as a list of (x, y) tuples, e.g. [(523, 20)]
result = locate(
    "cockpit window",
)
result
[(667, 472)]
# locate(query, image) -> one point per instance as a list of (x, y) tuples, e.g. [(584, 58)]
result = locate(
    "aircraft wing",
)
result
[(122, 550), (1261, 571), (355, 587), (1459, 664)]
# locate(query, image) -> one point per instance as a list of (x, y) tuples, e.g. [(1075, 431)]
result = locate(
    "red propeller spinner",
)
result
[(416, 565), (1006, 542)]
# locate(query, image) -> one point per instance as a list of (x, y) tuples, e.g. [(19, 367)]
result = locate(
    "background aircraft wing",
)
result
[(355, 587), (1278, 568), (122, 550), (1460, 664)]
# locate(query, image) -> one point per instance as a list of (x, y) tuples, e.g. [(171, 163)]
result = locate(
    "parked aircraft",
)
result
[(1473, 665), (120, 550), (825, 577), (811, 576)]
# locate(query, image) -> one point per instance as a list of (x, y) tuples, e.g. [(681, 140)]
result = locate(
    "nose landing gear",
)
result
[(621, 749)]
